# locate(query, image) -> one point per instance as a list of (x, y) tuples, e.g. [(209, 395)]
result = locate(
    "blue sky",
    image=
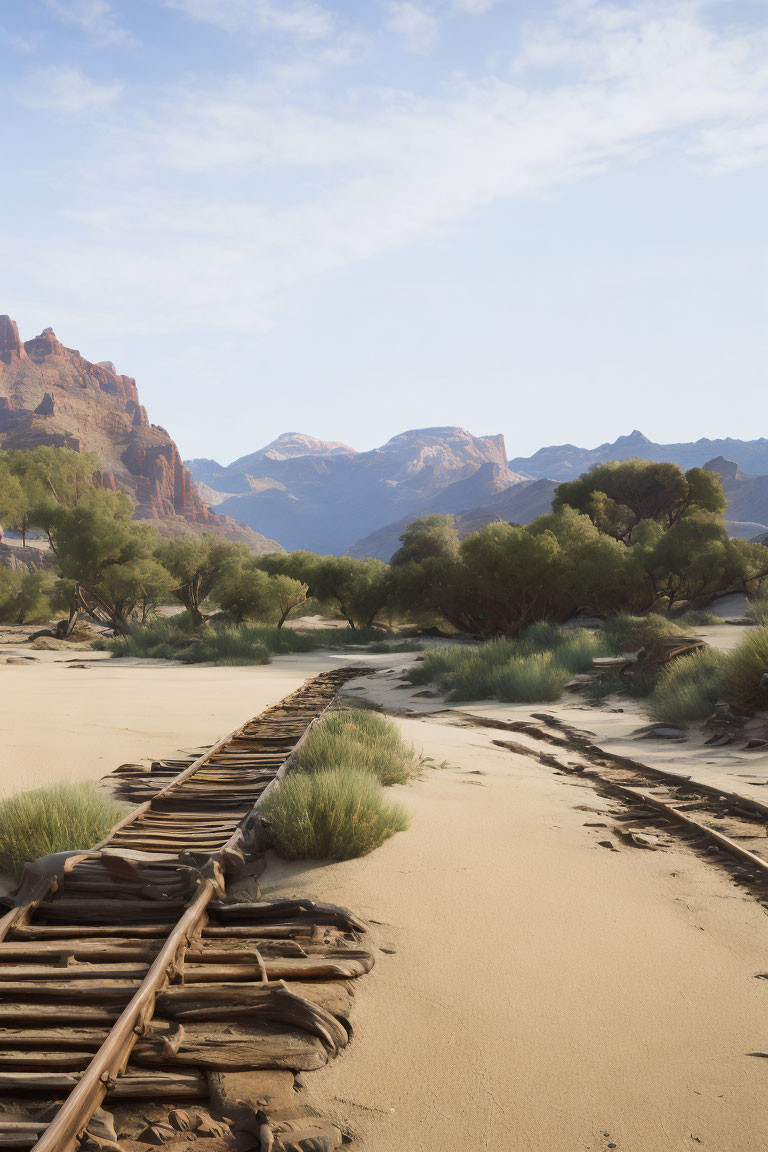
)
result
[(352, 218)]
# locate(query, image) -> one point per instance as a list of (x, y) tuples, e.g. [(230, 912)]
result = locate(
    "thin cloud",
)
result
[(97, 19), (416, 25), (304, 20), (196, 181), (64, 90)]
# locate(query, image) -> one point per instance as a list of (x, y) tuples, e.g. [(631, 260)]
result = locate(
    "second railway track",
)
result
[(129, 979)]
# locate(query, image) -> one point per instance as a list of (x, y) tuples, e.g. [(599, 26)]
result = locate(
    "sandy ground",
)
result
[(62, 720), (533, 989), (537, 990)]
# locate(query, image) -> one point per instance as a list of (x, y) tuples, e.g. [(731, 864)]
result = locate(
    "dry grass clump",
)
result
[(688, 687), (533, 667), (626, 633), (56, 818), (331, 814), (745, 667), (358, 739)]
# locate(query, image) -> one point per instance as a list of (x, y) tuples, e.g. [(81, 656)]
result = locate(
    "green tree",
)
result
[(617, 496), (34, 481), (196, 565)]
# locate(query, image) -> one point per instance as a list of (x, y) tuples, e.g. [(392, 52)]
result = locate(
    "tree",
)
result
[(34, 481), (434, 535), (244, 591), (108, 558), (288, 595), (619, 495), (196, 564)]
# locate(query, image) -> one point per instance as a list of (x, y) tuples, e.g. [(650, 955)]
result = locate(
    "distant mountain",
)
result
[(520, 504), (747, 512), (328, 497), (52, 395), (566, 461)]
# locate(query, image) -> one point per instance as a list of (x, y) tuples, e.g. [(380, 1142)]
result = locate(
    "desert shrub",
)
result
[(53, 819), (696, 618), (688, 687), (627, 633), (224, 642), (331, 814), (358, 739), (526, 679), (535, 666), (744, 670), (757, 608)]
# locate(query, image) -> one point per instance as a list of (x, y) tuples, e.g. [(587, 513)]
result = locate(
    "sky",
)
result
[(357, 217)]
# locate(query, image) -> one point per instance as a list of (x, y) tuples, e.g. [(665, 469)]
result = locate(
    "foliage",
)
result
[(746, 665), (331, 814), (627, 633), (35, 480), (360, 589), (617, 496), (688, 687), (25, 597), (358, 739), (196, 563), (178, 638), (757, 607), (53, 819), (535, 667)]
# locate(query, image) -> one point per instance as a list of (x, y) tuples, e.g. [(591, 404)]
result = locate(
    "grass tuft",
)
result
[(358, 739), (331, 814), (219, 642), (627, 633), (534, 667), (745, 668), (757, 606), (56, 818), (688, 687)]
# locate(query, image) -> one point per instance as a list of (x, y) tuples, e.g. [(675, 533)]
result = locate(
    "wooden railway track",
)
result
[(729, 827), (127, 975)]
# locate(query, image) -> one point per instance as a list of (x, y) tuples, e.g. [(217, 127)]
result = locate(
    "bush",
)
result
[(696, 618), (331, 814), (534, 667), (745, 667), (688, 687), (53, 819), (358, 739), (223, 642), (757, 608), (627, 633)]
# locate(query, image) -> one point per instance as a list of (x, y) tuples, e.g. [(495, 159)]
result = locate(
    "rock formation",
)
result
[(52, 395)]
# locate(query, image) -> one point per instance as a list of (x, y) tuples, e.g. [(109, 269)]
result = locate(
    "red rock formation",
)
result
[(50, 394)]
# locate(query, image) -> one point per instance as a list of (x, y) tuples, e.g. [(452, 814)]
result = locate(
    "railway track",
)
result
[(131, 985), (728, 827)]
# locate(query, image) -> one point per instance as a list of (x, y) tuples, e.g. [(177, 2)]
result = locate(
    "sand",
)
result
[(533, 990), (60, 721), (538, 991)]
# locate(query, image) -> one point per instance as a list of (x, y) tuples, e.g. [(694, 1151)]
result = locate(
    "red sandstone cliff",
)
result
[(50, 394)]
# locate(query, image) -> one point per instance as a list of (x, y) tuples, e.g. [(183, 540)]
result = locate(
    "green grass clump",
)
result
[(627, 633), (688, 687), (533, 667), (364, 740), (220, 642), (56, 818), (696, 618), (745, 667), (331, 814), (757, 606), (528, 679)]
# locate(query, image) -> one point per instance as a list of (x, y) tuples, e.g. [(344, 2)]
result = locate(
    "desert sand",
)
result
[(534, 990), (76, 715), (537, 990)]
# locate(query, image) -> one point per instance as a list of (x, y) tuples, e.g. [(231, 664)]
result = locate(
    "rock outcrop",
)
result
[(50, 394)]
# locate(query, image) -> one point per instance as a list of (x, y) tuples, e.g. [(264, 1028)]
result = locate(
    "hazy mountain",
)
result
[(747, 513), (566, 461), (52, 395), (328, 498), (520, 504)]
